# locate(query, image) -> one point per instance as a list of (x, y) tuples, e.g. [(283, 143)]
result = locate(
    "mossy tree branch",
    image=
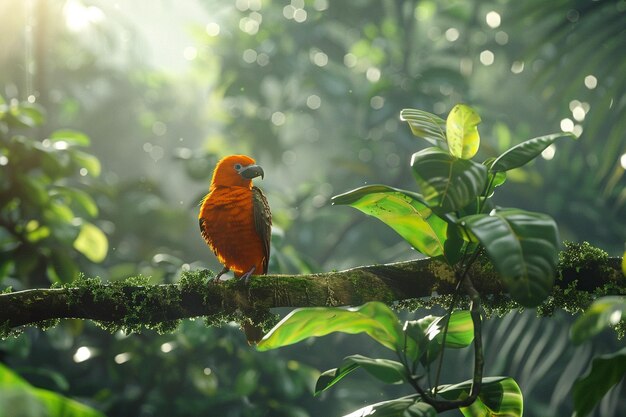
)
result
[(130, 306)]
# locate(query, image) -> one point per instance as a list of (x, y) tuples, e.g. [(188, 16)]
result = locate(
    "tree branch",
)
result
[(131, 307)]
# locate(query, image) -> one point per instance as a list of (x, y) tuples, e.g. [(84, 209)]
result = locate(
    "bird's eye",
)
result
[(237, 167)]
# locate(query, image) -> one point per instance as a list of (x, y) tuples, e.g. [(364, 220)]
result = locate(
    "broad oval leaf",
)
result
[(525, 152), (606, 371), (425, 125), (499, 397), (373, 318), (602, 313), (523, 247), (447, 183), (400, 407), (87, 161), (92, 242), (462, 131), (388, 371), (404, 212)]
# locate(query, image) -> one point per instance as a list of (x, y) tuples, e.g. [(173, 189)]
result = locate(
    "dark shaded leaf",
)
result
[(606, 371), (388, 371), (523, 246), (525, 152)]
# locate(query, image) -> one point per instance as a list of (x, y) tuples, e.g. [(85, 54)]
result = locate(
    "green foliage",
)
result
[(19, 398), (45, 199)]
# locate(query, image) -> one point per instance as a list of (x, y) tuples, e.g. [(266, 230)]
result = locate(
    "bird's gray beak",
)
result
[(252, 171)]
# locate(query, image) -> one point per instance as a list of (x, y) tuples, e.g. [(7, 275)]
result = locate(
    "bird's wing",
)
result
[(262, 222)]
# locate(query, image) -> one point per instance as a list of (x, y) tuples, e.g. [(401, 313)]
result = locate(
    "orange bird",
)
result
[(235, 218)]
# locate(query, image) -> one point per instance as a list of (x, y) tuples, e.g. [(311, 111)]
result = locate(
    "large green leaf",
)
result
[(604, 312), (388, 371), (606, 371), (523, 246), (400, 407), (462, 131), (446, 182), (373, 318), (525, 152), (18, 396), (404, 212), (425, 125), (499, 397)]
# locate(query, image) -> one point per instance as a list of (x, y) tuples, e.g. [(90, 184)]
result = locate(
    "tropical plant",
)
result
[(453, 220)]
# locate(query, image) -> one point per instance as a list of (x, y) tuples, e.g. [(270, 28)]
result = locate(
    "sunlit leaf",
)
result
[(523, 247), (447, 182), (525, 152), (16, 391), (425, 125), (499, 397), (624, 263), (602, 313), (92, 242), (462, 131), (72, 137), (28, 115), (388, 371), (373, 318), (87, 161), (400, 407), (80, 199), (606, 371), (460, 334), (404, 212)]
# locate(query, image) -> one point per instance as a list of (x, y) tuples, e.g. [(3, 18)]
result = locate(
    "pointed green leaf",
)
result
[(604, 312), (425, 125), (462, 131), (523, 247), (72, 137), (404, 212), (446, 182), (606, 371), (399, 407), (373, 318), (499, 397), (92, 242), (525, 152), (388, 371)]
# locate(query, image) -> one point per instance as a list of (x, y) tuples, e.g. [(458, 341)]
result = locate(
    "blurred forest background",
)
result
[(115, 112)]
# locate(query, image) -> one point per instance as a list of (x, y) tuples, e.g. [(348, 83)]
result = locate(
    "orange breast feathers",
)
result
[(235, 218)]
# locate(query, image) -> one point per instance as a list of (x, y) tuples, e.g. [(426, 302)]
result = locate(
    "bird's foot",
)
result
[(217, 279), (246, 277)]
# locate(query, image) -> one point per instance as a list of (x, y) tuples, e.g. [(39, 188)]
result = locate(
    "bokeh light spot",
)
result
[(567, 125), (591, 82), (82, 354), (493, 19), (313, 102), (487, 57)]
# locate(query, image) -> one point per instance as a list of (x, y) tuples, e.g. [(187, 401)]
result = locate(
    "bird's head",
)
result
[(236, 171)]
